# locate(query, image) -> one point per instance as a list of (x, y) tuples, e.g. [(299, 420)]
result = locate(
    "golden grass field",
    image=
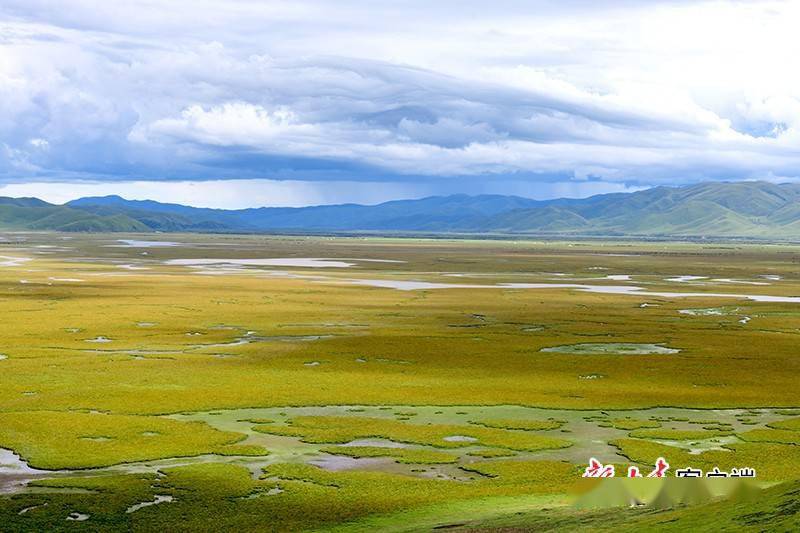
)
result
[(284, 396)]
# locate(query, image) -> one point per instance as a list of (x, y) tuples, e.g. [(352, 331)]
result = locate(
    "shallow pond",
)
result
[(6, 261), (15, 473), (305, 262), (626, 290), (612, 348), (133, 243), (157, 499)]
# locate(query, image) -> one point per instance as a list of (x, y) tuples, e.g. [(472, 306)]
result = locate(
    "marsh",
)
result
[(454, 370)]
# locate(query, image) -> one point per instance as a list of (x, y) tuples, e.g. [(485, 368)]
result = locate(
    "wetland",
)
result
[(381, 376)]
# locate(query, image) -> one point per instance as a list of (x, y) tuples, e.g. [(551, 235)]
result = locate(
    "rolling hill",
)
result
[(744, 209), (741, 209), (34, 214)]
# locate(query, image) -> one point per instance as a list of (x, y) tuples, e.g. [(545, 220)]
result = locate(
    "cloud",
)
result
[(232, 124), (442, 97)]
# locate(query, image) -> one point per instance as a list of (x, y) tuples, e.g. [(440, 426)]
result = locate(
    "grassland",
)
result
[(243, 391), (57, 440), (328, 429)]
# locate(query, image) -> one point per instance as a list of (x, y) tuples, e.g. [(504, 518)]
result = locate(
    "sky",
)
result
[(243, 103)]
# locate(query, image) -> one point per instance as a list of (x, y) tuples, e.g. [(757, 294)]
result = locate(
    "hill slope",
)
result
[(743, 209), (749, 209), (33, 214)]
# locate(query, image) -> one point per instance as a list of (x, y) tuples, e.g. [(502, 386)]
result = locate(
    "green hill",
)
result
[(742, 210), (749, 209), (42, 216)]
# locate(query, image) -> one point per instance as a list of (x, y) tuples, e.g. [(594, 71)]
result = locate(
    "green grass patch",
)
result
[(784, 436), (679, 434), (629, 424), (792, 424), (523, 425), (342, 429), (58, 440), (400, 455)]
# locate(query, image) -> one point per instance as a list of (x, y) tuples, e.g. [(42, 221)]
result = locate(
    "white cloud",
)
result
[(230, 124)]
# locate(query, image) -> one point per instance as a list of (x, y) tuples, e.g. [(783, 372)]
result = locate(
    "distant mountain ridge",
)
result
[(740, 209), (436, 213)]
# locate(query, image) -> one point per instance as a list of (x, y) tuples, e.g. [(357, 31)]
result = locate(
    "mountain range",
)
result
[(740, 209)]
